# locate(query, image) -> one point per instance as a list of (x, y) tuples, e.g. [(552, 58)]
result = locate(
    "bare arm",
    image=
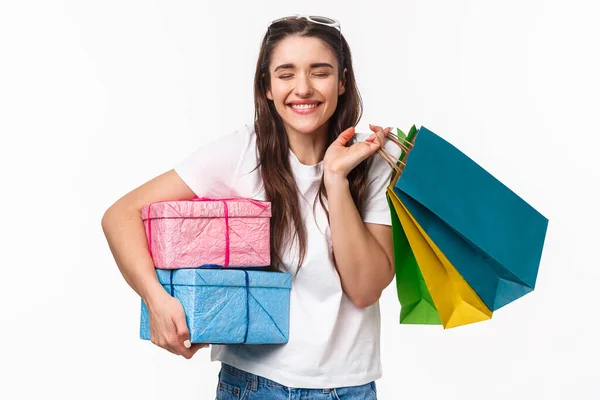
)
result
[(363, 252), (124, 231)]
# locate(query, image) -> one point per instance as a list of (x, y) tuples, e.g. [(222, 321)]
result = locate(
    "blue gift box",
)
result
[(229, 305)]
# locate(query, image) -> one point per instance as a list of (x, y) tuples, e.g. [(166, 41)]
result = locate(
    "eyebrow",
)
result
[(313, 65)]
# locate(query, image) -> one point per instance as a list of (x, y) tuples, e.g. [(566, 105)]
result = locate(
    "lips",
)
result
[(305, 110)]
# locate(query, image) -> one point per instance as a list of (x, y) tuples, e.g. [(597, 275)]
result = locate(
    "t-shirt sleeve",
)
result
[(210, 171), (375, 208)]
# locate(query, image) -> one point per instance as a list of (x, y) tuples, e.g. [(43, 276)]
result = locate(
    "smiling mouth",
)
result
[(305, 108)]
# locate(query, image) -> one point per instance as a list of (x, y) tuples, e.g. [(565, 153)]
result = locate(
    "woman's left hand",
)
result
[(339, 160)]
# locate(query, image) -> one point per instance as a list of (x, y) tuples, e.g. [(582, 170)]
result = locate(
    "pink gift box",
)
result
[(224, 232)]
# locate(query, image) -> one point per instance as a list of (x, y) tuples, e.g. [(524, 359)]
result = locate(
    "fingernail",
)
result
[(187, 344)]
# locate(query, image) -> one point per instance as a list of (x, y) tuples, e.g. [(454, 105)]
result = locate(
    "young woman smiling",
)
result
[(330, 223)]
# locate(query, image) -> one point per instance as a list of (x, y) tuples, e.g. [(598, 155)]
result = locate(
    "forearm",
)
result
[(364, 267), (124, 231)]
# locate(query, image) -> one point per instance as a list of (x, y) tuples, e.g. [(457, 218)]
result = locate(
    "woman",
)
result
[(330, 223)]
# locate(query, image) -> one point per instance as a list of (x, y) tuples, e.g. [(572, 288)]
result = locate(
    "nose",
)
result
[(303, 86)]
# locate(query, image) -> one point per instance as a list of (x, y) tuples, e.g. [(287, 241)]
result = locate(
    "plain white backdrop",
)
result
[(97, 97)]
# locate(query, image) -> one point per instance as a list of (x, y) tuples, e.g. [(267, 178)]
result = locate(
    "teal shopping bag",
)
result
[(492, 236)]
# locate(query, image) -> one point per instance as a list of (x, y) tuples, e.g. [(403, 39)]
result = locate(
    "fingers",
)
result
[(376, 128), (169, 341), (345, 136), (177, 347), (173, 345), (379, 135), (169, 330), (182, 342)]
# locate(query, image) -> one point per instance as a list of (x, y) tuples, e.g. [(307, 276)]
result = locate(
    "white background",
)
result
[(98, 97)]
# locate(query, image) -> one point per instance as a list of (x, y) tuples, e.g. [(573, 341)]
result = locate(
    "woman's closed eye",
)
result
[(318, 75)]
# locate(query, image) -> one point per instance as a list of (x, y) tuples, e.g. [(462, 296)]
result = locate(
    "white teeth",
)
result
[(304, 106)]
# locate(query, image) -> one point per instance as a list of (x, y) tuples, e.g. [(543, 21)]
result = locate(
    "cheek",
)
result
[(279, 90), (331, 95), (329, 89)]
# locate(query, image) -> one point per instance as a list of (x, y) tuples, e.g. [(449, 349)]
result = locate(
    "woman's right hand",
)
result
[(124, 229), (168, 327)]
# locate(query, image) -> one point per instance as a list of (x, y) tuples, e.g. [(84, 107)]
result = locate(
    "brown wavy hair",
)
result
[(272, 140)]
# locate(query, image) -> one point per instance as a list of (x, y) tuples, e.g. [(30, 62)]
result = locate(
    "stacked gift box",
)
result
[(211, 255)]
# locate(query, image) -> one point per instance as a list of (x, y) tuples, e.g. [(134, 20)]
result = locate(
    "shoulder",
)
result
[(246, 141), (379, 168), (211, 170), (375, 209), (230, 146), (222, 152), (237, 139)]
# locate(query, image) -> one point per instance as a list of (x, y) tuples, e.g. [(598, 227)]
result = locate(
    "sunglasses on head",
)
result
[(314, 19)]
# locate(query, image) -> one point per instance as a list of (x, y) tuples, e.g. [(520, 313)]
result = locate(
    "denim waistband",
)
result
[(255, 380)]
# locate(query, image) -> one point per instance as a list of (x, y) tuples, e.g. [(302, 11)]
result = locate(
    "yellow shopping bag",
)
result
[(456, 302)]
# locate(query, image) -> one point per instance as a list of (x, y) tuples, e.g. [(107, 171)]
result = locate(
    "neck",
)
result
[(308, 148)]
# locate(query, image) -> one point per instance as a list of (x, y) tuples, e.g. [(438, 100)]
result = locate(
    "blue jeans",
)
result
[(235, 384)]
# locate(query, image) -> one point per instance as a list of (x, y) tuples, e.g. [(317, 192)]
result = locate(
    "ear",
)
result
[(342, 84)]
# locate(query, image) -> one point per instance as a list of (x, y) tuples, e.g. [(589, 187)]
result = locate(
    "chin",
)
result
[(306, 129), (307, 126)]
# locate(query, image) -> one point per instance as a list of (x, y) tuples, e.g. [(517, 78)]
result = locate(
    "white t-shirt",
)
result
[(332, 343)]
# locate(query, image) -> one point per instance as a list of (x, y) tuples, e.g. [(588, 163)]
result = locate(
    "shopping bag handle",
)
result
[(397, 164), (401, 142)]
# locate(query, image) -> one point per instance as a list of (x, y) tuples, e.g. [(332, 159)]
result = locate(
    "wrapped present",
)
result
[(229, 305), (224, 232)]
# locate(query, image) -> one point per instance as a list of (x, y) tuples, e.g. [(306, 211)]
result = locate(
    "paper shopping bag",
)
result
[(489, 234), (456, 302)]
